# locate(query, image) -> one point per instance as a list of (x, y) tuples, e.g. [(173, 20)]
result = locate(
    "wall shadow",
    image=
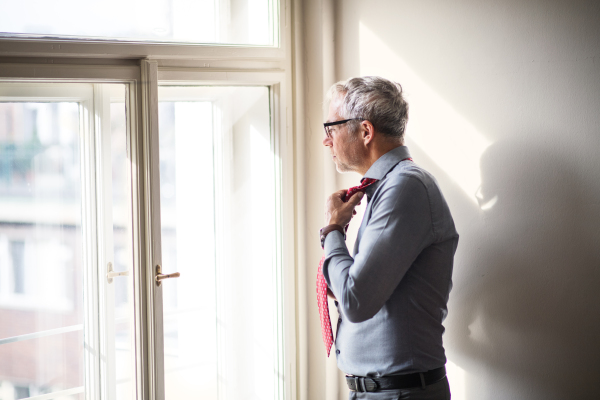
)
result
[(527, 323)]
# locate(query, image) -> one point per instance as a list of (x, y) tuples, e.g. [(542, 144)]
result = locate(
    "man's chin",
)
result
[(341, 168)]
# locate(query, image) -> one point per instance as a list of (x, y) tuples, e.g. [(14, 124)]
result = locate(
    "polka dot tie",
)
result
[(326, 331)]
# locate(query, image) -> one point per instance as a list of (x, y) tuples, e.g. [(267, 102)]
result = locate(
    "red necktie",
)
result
[(326, 331)]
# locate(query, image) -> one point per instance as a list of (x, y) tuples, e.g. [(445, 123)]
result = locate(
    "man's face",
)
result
[(345, 146)]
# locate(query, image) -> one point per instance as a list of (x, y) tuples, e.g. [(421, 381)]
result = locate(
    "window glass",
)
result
[(65, 216), (41, 268), (218, 221), (242, 22)]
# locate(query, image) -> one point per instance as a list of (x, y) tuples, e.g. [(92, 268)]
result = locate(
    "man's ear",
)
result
[(368, 132)]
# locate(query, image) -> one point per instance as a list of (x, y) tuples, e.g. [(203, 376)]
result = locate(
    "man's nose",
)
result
[(327, 141)]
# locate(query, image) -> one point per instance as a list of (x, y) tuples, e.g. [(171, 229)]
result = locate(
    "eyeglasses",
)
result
[(326, 125)]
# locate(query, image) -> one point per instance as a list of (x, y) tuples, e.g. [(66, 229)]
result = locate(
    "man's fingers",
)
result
[(355, 199), (339, 212), (340, 194)]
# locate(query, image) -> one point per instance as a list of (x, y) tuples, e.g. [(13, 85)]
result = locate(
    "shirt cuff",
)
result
[(334, 240)]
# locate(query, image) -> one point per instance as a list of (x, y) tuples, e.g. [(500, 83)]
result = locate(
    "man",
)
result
[(392, 293)]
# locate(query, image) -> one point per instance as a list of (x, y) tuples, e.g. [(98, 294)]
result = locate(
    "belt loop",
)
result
[(363, 388), (357, 383), (422, 380)]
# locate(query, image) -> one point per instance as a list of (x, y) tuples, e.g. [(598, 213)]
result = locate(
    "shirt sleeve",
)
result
[(400, 227)]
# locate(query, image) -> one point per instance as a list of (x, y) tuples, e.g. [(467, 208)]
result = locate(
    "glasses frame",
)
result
[(343, 121)]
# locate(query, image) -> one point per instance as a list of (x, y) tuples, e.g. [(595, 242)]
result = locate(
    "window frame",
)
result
[(141, 67)]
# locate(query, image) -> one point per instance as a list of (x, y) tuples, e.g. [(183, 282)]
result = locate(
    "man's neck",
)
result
[(376, 151)]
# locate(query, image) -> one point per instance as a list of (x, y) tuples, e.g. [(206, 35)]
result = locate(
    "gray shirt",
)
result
[(392, 293)]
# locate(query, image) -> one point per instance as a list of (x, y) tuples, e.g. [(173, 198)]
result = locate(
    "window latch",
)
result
[(160, 276), (111, 274)]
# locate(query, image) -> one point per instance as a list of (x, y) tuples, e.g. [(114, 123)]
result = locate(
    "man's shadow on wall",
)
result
[(533, 315)]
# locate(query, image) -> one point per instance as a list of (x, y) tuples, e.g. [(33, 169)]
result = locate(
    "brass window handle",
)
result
[(160, 276), (110, 274)]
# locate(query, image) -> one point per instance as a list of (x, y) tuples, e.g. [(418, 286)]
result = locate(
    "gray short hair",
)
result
[(375, 99)]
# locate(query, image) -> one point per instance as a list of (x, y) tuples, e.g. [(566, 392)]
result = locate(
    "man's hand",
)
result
[(340, 213)]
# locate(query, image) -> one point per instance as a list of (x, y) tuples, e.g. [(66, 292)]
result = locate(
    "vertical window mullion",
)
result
[(105, 242), (90, 248), (221, 138), (149, 323), (275, 106)]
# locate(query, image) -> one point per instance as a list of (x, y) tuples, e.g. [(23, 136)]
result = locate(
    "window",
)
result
[(61, 222), (241, 22), (125, 171), (218, 222)]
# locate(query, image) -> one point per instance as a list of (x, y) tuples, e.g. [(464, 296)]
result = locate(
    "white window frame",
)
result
[(141, 66)]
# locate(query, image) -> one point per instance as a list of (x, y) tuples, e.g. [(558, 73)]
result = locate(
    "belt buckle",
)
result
[(363, 384)]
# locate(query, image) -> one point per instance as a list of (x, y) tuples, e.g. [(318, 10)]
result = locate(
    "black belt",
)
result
[(418, 379)]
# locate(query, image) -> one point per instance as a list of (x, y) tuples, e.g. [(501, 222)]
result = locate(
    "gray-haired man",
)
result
[(392, 292)]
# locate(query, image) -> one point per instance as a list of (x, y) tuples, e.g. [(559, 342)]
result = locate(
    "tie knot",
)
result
[(364, 184)]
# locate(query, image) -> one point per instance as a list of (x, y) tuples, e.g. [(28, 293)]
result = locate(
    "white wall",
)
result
[(505, 112)]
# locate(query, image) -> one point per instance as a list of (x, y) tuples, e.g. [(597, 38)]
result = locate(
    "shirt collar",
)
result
[(386, 162)]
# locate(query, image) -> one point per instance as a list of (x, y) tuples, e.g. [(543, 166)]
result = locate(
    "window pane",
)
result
[(218, 222), (43, 365), (188, 240), (41, 269), (243, 22), (65, 222)]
